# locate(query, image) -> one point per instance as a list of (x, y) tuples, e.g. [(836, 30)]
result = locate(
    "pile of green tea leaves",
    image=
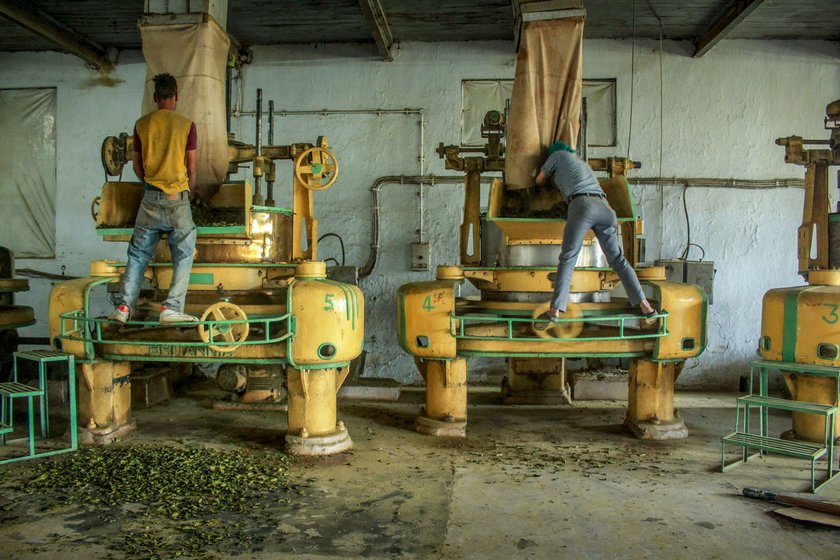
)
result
[(203, 216), (169, 502), (206, 216)]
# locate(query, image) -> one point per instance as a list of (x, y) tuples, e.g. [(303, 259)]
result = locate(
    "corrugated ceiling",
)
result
[(113, 23)]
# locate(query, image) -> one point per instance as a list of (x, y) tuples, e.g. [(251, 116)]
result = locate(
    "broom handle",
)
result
[(815, 505)]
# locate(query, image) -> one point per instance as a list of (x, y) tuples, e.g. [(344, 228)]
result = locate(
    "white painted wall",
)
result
[(720, 116)]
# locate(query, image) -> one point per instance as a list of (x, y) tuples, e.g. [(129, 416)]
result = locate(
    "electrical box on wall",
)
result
[(699, 273), (419, 256)]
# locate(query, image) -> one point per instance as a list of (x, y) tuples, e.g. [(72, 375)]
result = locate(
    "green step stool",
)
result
[(744, 438), (11, 390)]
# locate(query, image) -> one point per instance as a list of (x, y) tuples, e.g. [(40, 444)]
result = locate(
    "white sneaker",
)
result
[(168, 316), (120, 314)]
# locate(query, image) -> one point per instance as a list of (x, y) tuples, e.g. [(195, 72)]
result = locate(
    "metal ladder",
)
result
[(11, 390)]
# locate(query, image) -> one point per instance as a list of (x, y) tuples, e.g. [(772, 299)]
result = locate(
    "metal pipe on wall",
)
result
[(746, 184), (375, 190)]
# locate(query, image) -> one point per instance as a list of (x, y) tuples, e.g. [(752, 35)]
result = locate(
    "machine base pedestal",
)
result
[(319, 445), (675, 429), (440, 428), (104, 436)]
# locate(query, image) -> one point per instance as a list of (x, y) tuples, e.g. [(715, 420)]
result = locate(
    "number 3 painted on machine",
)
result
[(329, 304), (831, 317)]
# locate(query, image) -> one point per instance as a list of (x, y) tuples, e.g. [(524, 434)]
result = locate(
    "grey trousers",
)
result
[(593, 213)]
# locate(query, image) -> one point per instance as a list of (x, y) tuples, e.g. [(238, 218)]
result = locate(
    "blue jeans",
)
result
[(593, 213), (158, 215)]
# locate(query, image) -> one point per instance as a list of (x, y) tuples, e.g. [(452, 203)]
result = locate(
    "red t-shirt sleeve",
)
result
[(192, 139)]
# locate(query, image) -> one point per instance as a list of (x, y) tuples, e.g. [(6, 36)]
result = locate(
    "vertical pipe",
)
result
[(421, 191), (270, 184), (258, 197)]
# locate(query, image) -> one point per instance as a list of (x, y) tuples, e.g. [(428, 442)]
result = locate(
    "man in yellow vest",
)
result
[(165, 161)]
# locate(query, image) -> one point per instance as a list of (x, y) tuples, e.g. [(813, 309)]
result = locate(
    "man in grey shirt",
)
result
[(587, 209)]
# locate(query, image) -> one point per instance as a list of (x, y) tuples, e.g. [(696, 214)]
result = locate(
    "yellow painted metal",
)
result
[(445, 272), (651, 391), (688, 321), (104, 394), (329, 321), (424, 312), (197, 353), (772, 324), (269, 241), (112, 268), (651, 273), (312, 400), (311, 269), (798, 332), (828, 277), (536, 280), (618, 195), (471, 226), (446, 389), (120, 201), (229, 278), (66, 297), (809, 388), (304, 225), (802, 324), (541, 346), (814, 226)]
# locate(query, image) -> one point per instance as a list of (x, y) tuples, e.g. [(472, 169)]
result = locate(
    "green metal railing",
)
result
[(76, 326), (458, 323)]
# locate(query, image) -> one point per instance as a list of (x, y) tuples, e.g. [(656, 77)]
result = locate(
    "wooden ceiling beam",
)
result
[(43, 24), (723, 25), (379, 28)]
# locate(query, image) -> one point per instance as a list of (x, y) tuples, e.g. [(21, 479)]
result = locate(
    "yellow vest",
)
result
[(163, 138)]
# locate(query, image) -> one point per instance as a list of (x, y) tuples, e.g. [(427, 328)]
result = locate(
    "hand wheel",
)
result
[(222, 331), (316, 168)]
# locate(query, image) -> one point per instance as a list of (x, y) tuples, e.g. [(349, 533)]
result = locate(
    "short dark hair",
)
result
[(165, 86)]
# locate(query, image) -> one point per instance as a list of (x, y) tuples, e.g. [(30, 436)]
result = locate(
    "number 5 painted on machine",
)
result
[(831, 317), (329, 304)]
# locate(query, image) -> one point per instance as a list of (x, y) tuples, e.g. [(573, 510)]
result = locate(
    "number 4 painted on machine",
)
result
[(427, 304)]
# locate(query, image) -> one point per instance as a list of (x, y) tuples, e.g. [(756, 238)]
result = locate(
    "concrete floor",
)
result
[(527, 482)]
